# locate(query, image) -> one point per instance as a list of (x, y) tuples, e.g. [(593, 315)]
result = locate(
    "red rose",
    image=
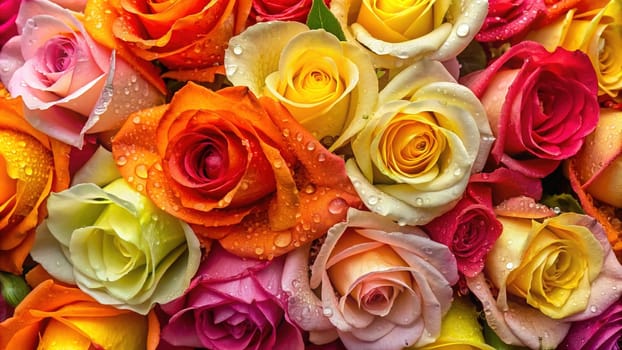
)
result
[(281, 10), (509, 19), (541, 105)]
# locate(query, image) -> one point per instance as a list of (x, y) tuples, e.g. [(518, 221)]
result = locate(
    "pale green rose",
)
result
[(396, 30), (327, 85), (116, 245), (415, 154)]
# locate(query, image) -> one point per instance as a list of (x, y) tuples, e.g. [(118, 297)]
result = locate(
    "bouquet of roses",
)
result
[(237, 174)]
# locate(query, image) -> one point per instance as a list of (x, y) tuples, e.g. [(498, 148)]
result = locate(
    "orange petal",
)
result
[(523, 207), (99, 19)]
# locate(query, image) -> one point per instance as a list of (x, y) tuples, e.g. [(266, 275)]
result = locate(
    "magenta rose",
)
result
[(8, 14), (540, 105), (603, 332), (232, 303), (70, 85), (469, 229), (281, 10), (509, 20)]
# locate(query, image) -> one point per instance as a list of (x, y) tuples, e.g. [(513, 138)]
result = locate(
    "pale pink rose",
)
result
[(70, 85), (380, 285)]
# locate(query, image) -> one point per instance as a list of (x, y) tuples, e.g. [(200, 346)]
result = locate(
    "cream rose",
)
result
[(546, 274), (597, 33), (413, 157), (381, 285), (395, 30), (325, 84)]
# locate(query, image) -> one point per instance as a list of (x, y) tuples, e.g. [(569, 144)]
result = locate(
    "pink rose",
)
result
[(541, 105), (232, 303), (603, 332), (281, 10), (8, 13), (509, 20), (469, 229), (70, 85), (380, 285)]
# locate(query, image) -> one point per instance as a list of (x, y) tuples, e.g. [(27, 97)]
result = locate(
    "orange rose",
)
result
[(59, 317), (238, 169), (185, 36), (31, 165)]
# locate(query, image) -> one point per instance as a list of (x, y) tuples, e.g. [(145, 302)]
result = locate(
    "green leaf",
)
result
[(320, 17), (564, 201), (14, 288)]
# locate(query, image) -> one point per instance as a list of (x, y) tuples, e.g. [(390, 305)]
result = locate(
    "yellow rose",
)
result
[(395, 30), (543, 275), (596, 32), (413, 157), (324, 83), (460, 329)]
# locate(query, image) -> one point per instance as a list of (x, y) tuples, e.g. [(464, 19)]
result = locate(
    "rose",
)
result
[(597, 33), (235, 167), (31, 166), (116, 245), (558, 8), (396, 30), (546, 274), (382, 286), (70, 85), (188, 38), (510, 20), (289, 10), (469, 229), (528, 93), (8, 13), (602, 332), (325, 84), (413, 157), (594, 174), (232, 303), (460, 329), (53, 315)]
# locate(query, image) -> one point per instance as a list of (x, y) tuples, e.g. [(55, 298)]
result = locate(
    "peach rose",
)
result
[(60, 317), (380, 285), (31, 166), (238, 169)]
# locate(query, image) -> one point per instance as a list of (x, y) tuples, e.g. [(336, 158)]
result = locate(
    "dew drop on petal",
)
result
[(337, 206), (309, 189), (141, 171), (259, 250), (462, 30), (283, 240), (238, 50), (328, 312)]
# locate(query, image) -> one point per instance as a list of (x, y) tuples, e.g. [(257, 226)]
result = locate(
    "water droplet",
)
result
[(309, 189), (259, 250), (285, 132), (509, 266), (328, 312), (321, 157), (593, 309), (230, 69), (141, 171), (337, 206), (298, 136), (311, 146), (462, 30), (238, 50), (277, 164), (372, 200), (283, 240), (457, 172), (418, 201), (28, 171)]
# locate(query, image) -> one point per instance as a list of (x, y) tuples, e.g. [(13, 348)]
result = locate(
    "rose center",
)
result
[(213, 161), (59, 54)]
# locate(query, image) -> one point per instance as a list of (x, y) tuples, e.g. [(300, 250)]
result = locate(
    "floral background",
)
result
[(298, 174)]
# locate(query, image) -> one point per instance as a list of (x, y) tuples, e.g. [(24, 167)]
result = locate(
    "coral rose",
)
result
[(31, 166), (381, 285), (540, 104), (59, 317), (235, 168)]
